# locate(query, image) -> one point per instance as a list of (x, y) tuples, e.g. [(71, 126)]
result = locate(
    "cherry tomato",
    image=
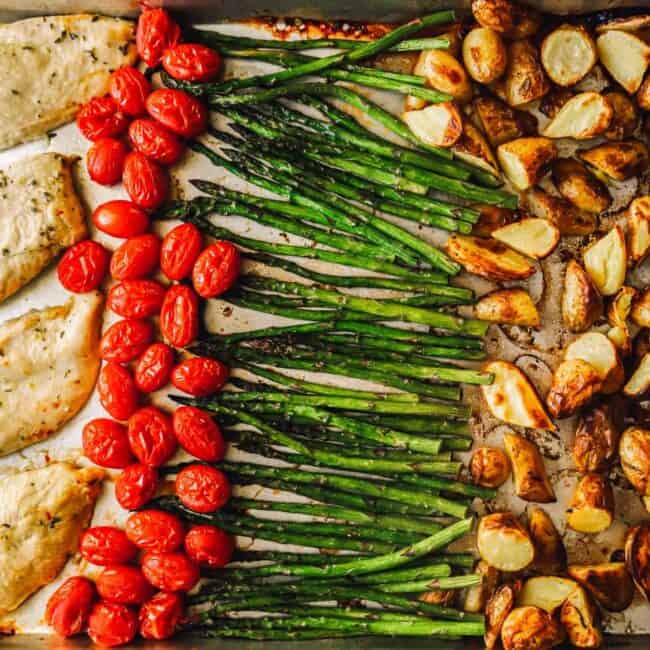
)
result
[(154, 367), (154, 141), (170, 571), (111, 624), (117, 391), (155, 530), (151, 435), (106, 443), (136, 257), (192, 62), (120, 219), (198, 434), (200, 376), (145, 181), (125, 340), (209, 546), (69, 606), (136, 486), (129, 88), (105, 161), (160, 616), (216, 269), (156, 32), (180, 248), (123, 584), (202, 488), (100, 118), (179, 316), (136, 298), (104, 545), (83, 266), (181, 113)]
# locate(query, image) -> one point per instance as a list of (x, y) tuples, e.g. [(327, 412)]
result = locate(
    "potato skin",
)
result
[(554, 100), (640, 313), (489, 467), (575, 382), (634, 450), (506, 17), (637, 557), (444, 73), (500, 122), (568, 219), (625, 118), (597, 438), (510, 306), (530, 628), (533, 156), (643, 94), (609, 583), (550, 553), (484, 55), (496, 611), (638, 229), (531, 480), (492, 217), (524, 79), (580, 619), (582, 304), (579, 186), (473, 148), (618, 160), (592, 492), (477, 596)]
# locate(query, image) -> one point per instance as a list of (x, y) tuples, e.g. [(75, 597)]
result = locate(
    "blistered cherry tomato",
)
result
[(151, 435), (136, 486), (198, 434), (200, 376), (136, 257), (179, 316), (154, 141), (111, 624), (202, 488), (181, 113), (117, 391), (155, 530), (83, 266), (159, 616), (100, 118), (192, 62), (170, 571), (69, 606), (105, 161), (105, 545), (145, 181), (209, 546), (216, 269), (106, 443), (129, 88), (123, 584), (120, 219), (156, 32), (180, 248), (154, 367), (125, 340), (136, 298)]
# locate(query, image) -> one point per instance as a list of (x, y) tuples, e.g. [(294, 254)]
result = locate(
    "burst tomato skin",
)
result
[(154, 367), (179, 316), (200, 376), (151, 435), (216, 269), (124, 584), (155, 530), (120, 219), (100, 118), (105, 161), (136, 257), (69, 606), (156, 31), (155, 141), (110, 624), (125, 340), (159, 616), (106, 545), (202, 488), (198, 434), (209, 546), (181, 113), (192, 62), (117, 391), (83, 266), (180, 248), (129, 88), (136, 298), (145, 181), (170, 571), (136, 486), (106, 443)]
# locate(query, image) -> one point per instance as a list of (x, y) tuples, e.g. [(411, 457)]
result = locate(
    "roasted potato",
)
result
[(643, 94), (599, 352), (477, 596), (554, 100), (581, 620), (568, 219), (546, 592), (575, 382), (506, 17), (529, 471), (597, 438), (524, 80), (489, 467), (618, 313), (582, 304), (584, 116), (609, 583), (509, 306), (579, 186), (474, 149), (534, 237), (617, 160), (504, 543), (606, 261), (525, 160), (625, 24), (637, 557), (512, 399), (492, 217), (568, 54), (530, 628), (496, 611), (641, 344), (500, 122), (484, 55), (638, 385), (625, 56), (488, 258), (625, 117), (442, 597), (592, 506), (550, 554), (640, 313), (438, 125), (638, 229), (444, 73), (413, 103)]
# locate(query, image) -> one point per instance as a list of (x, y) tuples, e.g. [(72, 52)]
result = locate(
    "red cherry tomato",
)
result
[(120, 219), (216, 269), (123, 584), (181, 113), (104, 545), (117, 391), (156, 32), (202, 488), (105, 161), (192, 62), (155, 530), (106, 443), (136, 257), (151, 435), (180, 248), (198, 434), (209, 546), (111, 624), (154, 367), (129, 88), (136, 298), (83, 266), (100, 118), (170, 571), (69, 606), (179, 316), (135, 486), (145, 181), (200, 376), (160, 616), (125, 340), (154, 141)]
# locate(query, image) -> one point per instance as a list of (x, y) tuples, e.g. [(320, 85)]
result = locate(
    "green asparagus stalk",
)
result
[(419, 586)]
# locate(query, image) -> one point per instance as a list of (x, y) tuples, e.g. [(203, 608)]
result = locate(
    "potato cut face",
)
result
[(606, 261), (492, 217), (524, 160), (582, 303), (596, 349), (546, 592), (536, 238), (634, 451), (579, 186), (592, 506), (639, 383), (568, 54), (625, 56), (583, 116), (638, 225), (509, 306), (568, 219), (531, 480), (617, 160), (504, 543), (484, 55), (575, 382), (609, 583), (438, 125)]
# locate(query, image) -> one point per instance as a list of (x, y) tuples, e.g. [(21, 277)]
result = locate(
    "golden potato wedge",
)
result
[(568, 54), (579, 186), (609, 583), (597, 439), (509, 306), (640, 313), (524, 80), (506, 17), (484, 55), (553, 101), (617, 160), (550, 554), (638, 385), (489, 467), (625, 56), (531, 628), (625, 117), (637, 557), (582, 304), (504, 543), (477, 596), (444, 73), (568, 219), (528, 469), (592, 506), (524, 161), (500, 122), (438, 125), (492, 217), (496, 611), (488, 258), (643, 94), (634, 451), (512, 399), (474, 149), (534, 237), (599, 352), (546, 592), (618, 313), (584, 116), (638, 229), (606, 261), (625, 24), (581, 620), (575, 382)]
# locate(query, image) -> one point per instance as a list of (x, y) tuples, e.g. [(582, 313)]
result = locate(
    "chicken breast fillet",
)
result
[(49, 360), (40, 215), (51, 65), (42, 514)]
